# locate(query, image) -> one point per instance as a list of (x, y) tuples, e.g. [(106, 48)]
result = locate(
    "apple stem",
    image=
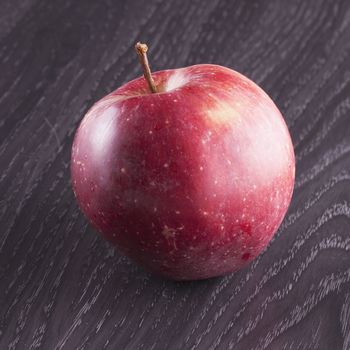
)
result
[(141, 50)]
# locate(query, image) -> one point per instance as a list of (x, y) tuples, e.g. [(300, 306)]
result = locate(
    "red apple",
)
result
[(191, 181)]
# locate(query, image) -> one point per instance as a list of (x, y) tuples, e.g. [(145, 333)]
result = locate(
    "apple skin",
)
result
[(190, 182)]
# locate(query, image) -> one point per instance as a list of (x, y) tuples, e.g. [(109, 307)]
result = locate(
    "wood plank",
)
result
[(61, 285)]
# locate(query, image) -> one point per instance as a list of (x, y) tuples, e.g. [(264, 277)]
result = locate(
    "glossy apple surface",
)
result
[(190, 182)]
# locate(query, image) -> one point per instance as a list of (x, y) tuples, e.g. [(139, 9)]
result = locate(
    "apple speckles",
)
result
[(170, 233), (123, 170), (166, 165), (93, 187), (246, 228)]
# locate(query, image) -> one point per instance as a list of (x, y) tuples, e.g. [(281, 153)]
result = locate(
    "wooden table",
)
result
[(61, 285)]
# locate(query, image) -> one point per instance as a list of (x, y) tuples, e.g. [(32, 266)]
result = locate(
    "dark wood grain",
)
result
[(61, 285)]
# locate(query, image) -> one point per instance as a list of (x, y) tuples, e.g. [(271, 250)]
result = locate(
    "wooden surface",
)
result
[(61, 285)]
